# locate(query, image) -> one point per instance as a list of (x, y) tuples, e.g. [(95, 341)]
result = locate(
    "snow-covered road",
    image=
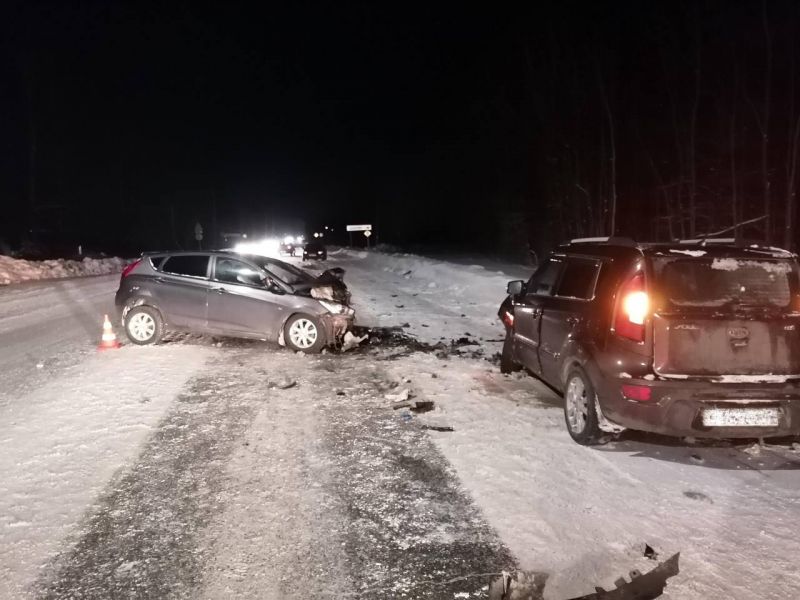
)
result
[(46, 327), (184, 471)]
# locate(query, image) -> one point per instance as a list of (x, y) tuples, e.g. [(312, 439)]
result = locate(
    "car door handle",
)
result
[(219, 290), (535, 312)]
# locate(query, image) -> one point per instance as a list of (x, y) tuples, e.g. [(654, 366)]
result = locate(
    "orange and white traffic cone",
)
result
[(109, 341)]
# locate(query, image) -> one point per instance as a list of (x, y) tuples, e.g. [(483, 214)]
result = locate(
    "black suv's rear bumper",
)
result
[(675, 407)]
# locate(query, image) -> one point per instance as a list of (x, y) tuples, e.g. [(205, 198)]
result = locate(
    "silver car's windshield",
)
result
[(284, 272)]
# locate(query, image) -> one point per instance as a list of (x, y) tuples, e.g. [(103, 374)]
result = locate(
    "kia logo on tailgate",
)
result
[(738, 333)]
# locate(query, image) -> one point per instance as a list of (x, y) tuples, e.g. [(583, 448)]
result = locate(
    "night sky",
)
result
[(438, 123), (327, 112)]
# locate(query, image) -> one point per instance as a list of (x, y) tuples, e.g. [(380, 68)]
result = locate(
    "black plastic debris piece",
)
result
[(422, 406), (650, 553), (698, 496), (438, 428), (640, 587), (399, 305), (417, 406)]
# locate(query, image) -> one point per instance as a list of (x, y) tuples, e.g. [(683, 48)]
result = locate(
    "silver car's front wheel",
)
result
[(304, 333)]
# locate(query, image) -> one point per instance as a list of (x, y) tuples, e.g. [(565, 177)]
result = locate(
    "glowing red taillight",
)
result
[(632, 309), (127, 270), (508, 318), (640, 393)]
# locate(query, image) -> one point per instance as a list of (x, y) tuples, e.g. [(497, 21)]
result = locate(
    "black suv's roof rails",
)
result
[(706, 241), (610, 241)]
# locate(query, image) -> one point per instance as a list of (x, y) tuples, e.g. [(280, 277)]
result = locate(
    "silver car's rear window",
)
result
[(719, 282)]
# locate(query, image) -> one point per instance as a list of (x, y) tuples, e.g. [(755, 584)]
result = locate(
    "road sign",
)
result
[(367, 233), (359, 228)]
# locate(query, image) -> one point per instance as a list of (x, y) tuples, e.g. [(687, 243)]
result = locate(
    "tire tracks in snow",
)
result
[(252, 492), (140, 539)]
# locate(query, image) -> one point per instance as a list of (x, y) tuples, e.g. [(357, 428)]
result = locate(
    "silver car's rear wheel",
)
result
[(143, 325), (304, 333)]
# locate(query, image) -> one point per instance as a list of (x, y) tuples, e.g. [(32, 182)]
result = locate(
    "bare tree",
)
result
[(735, 209), (791, 155), (612, 156), (693, 135)]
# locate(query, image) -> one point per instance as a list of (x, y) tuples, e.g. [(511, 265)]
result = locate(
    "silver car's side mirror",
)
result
[(514, 288), (272, 286)]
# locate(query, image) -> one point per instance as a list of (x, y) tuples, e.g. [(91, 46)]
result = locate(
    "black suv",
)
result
[(695, 338)]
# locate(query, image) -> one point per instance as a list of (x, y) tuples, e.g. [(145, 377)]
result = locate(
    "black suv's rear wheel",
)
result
[(143, 325), (507, 364), (580, 411)]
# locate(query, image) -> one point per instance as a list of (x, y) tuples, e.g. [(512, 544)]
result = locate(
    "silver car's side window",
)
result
[(229, 270)]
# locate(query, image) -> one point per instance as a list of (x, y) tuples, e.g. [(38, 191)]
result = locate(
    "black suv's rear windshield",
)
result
[(721, 282)]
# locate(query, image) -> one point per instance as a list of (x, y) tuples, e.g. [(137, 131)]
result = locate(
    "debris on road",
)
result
[(351, 341), (418, 406), (401, 396), (438, 427), (282, 384), (641, 587), (522, 584), (650, 553)]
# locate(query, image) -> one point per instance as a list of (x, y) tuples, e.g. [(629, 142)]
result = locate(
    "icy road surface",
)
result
[(187, 471)]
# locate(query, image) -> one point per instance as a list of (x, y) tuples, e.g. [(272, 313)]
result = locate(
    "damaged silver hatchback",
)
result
[(230, 294)]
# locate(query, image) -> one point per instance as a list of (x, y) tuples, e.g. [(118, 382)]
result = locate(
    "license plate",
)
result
[(741, 417)]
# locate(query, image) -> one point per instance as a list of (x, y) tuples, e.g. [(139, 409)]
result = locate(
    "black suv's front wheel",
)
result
[(507, 363), (580, 411)]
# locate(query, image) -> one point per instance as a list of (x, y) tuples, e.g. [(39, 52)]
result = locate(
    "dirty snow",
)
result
[(765, 378), (733, 264), (15, 270), (694, 253)]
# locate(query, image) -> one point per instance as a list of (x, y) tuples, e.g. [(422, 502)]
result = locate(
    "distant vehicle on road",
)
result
[(315, 251), (287, 249), (698, 338), (231, 294)]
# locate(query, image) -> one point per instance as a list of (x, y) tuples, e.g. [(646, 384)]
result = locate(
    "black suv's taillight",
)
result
[(632, 308)]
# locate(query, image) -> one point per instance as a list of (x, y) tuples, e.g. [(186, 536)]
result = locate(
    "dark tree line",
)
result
[(664, 121)]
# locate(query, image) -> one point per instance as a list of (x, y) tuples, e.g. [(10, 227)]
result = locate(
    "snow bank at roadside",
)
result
[(15, 270)]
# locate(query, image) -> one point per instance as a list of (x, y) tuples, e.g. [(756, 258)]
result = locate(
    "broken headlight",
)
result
[(336, 308)]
